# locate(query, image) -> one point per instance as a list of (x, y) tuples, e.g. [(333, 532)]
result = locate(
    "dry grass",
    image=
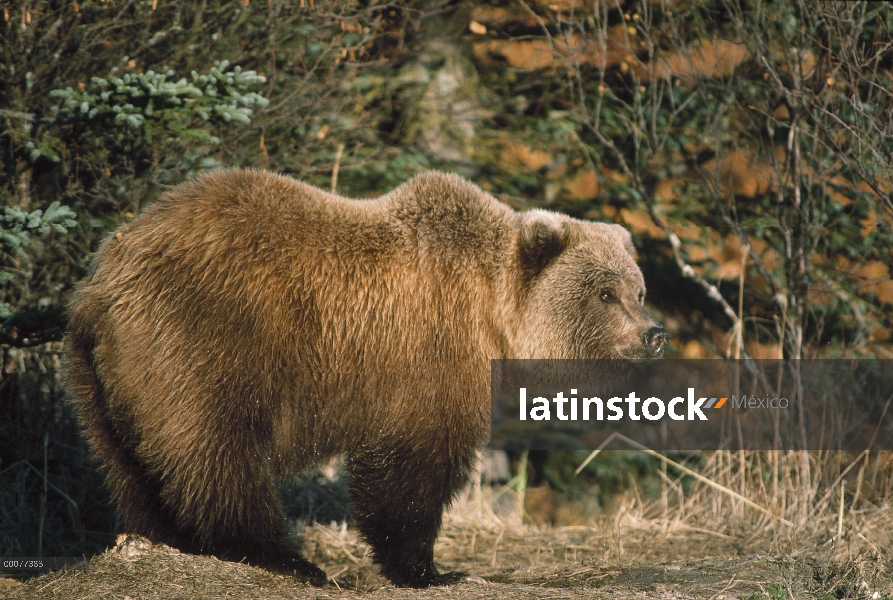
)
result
[(697, 540)]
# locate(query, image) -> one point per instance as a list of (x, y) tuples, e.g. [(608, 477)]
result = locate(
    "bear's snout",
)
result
[(656, 339)]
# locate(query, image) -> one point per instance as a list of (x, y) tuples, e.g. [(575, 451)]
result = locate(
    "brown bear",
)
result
[(247, 326)]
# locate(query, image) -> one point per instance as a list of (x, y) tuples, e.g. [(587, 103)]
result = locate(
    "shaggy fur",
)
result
[(248, 326)]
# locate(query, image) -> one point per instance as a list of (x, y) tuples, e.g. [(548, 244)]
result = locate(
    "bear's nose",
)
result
[(656, 340)]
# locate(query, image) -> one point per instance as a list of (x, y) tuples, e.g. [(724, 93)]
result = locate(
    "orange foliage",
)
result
[(711, 58), (516, 154), (582, 187), (738, 175)]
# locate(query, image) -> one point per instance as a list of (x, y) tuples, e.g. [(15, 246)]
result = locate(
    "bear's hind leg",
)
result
[(138, 499), (229, 505), (398, 501)]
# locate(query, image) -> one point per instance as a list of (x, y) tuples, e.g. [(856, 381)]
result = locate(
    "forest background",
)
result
[(748, 146)]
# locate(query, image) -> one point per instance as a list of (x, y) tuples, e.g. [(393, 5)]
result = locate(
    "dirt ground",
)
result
[(635, 558)]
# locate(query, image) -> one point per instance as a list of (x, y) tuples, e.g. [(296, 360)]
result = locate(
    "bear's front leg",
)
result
[(399, 496)]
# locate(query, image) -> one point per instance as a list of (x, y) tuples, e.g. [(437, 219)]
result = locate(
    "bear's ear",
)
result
[(626, 240), (543, 238)]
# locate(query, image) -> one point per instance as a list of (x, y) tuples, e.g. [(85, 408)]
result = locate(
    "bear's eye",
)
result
[(607, 296), (642, 298)]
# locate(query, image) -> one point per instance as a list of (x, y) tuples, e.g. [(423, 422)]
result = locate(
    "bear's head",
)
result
[(581, 293)]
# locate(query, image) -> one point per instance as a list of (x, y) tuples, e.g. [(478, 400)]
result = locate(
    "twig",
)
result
[(729, 586), (594, 453), (335, 169), (43, 497), (353, 558), (14, 114), (496, 548), (42, 476), (840, 509), (338, 574)]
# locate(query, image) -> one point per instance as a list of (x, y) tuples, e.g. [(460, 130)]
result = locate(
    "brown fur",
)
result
[(247, 326)]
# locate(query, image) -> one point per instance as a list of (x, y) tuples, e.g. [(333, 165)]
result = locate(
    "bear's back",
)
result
[(279, 264), (434, 215)]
